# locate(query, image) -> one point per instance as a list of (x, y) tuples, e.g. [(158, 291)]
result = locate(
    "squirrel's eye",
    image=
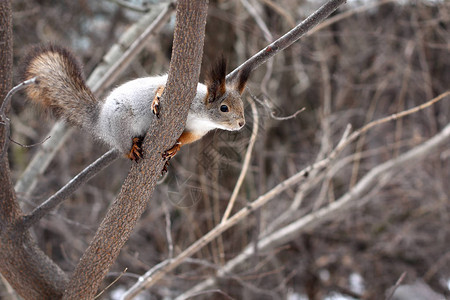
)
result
[(223, 108)]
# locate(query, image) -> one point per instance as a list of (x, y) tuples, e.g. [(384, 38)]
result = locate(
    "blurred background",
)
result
[(378, 58)]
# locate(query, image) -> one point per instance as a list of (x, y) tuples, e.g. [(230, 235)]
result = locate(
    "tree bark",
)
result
[(29, 271), (138, 187)]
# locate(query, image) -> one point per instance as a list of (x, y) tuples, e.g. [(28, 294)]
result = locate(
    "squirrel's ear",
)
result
[(215, 80), (242, 78)]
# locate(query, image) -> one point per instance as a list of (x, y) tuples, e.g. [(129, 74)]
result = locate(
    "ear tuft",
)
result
[(243, 76), (215, 80)]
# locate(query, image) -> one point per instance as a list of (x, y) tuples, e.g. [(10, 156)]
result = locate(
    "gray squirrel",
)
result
[(124, 116)]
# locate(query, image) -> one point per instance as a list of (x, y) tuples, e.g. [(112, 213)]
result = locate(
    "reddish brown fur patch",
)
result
[(186, 137)]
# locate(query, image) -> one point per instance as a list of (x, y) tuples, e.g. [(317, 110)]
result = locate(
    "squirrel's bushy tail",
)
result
[(60, 86)]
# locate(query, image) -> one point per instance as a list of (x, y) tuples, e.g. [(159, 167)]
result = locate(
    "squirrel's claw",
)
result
[(164, 169), (168, 154), (136, 151), (155, 102), (155, 106)]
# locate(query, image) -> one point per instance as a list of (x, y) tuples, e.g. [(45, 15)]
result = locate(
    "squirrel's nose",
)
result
[(241, 123)]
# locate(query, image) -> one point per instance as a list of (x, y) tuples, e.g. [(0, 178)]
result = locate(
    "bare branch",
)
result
[(141, 8), (392, 117), (4, 119), (168, 230), (67, 190), (269, 107), (289, 38), (397, 284), (134, 49), (29, 146), (261, 24), (348, 14), (112, 283), (136, 288)]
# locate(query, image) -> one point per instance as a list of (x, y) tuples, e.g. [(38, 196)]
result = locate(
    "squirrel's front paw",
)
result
[(155, 102), (136, 150), (168, 154)]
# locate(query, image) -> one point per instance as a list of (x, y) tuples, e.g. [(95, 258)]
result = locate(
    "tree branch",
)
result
[(289, 38), (4, 119), (29, 271), (67, 190)]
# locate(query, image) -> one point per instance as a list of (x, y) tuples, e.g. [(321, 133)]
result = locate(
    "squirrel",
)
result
[(124, 116)]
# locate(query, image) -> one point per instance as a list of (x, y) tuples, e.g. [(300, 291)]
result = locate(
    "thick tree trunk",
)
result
[(29, 271)]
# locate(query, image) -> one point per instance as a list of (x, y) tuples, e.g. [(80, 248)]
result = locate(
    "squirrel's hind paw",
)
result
[(136, 151), (155, 103), (168, 154), (166, 165)]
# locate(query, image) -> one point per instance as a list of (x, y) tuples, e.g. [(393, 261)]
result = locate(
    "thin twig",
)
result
[(397, 284), (111, 284), (294, 115), (145, 7), (136, 288), (40, 161), (362, 139), (281, 11), (441, 262), (238, 278), (347, 14), (259, 21), (392, 117), (43, 209), (325, 140), (168, 230), (289, 38), (204, 292), (4, 118), (269, 107), (248, 156), (116, 69), (31, 145)]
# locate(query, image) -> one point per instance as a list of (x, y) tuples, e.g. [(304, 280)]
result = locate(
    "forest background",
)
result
[(372, 60)]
